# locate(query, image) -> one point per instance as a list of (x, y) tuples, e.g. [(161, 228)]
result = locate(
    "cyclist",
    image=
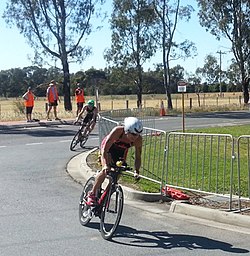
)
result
[(114, 147), (89, 114)]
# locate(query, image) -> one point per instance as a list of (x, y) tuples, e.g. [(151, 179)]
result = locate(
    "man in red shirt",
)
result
[(79, 94)]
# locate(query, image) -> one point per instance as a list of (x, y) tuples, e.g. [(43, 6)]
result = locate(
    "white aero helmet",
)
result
[(132, 125)]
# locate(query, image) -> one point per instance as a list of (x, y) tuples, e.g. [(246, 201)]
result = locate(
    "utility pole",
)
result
[(220, 52)]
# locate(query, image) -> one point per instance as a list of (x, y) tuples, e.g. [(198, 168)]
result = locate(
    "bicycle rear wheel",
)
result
[(75, 140), (85, 213), (111, 213)]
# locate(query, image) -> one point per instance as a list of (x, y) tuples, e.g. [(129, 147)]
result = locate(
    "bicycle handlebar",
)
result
[(122, 168)]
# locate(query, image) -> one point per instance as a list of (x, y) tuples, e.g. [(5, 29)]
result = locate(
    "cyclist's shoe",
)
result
[(91, 200)]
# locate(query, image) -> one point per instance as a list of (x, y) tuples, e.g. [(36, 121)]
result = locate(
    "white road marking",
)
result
[(3, 146), (93, 139), (33, 128), (35, 143), (64, 141)]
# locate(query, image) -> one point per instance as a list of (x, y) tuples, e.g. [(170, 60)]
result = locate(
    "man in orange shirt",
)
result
[(79, 94), (29, 103), (53, 98)]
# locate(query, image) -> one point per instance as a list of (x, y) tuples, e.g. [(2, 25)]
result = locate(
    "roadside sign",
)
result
[(182, 83), (182, 88)]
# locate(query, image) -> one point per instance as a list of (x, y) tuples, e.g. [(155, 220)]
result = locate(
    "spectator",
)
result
[(79, 95), (53, 98), (29, 103)]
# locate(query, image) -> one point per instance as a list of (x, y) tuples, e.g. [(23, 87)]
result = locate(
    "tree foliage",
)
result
[(230, 19), (55, 29), (210, 71), (132, 38), (169, 13), (116, 81)]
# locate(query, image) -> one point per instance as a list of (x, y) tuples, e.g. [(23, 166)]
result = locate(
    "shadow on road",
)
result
[(160, 239)]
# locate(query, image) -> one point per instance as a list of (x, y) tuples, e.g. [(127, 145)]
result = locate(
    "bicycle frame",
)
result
[(113, 181)]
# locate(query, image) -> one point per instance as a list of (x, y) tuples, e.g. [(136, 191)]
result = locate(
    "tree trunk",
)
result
[(139, 86), (245, 86), (66, 86), (166, 82)]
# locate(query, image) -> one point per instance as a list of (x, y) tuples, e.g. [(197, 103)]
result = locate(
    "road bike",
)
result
[(109, 205), (81, 136)]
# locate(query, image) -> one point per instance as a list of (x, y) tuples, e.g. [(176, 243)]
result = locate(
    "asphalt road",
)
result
[(203, 120), (39, 208)]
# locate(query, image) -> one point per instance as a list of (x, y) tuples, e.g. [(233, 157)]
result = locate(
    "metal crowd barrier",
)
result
[(243, 171), (215, 165)]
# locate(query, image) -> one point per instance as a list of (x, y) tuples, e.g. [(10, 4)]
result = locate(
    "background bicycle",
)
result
[(81, 136)]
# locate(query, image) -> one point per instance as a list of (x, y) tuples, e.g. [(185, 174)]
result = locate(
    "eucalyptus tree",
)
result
[(4, 81), (93, 80), (55, 29), (13, 82), (230, 19), (133, 41), (210, 72), (234, 77), (169, 13)]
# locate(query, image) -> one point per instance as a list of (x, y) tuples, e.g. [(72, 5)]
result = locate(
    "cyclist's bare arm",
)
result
[(81, 114)]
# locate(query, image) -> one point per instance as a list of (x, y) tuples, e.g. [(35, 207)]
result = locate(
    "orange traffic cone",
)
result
[(162, 109)]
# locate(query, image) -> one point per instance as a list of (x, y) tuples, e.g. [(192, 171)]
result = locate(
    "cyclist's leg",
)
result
[(91, 126), (99, 179), (115, 154), (85, 122)]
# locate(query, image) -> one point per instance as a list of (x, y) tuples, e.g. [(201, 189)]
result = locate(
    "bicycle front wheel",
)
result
[(111, 213), (85, 137), (85, 213), (83, 141), (75, 140)]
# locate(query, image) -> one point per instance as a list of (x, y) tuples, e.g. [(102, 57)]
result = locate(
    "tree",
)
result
[(132, 38), (176, 74), (210, 72), (93, 80), (230, 19), (55, 29), (233, 76), (169, 16)]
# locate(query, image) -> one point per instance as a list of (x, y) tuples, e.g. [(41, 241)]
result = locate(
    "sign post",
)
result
[(182, 87)]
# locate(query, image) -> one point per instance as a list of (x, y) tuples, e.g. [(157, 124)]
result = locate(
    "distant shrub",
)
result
[(18, 107)]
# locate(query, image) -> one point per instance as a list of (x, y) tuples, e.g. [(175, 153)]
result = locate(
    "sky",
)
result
[(15, 51)]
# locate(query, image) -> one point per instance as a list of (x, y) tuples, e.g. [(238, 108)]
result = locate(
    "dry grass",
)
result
[(11, 108)]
